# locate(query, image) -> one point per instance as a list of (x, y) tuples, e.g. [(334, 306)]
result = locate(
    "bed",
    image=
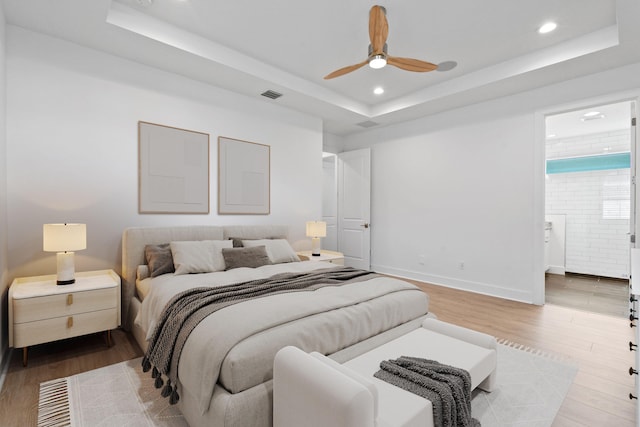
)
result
[(226, 365)]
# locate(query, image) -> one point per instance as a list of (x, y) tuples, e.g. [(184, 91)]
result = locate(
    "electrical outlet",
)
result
[(461, 265), (421, 259)]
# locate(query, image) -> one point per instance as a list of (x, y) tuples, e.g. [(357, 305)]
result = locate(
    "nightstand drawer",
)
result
[(31, 333), (49, 306), (339, 261)]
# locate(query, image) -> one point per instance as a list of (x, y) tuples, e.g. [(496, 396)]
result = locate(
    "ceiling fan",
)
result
[(378, 58)]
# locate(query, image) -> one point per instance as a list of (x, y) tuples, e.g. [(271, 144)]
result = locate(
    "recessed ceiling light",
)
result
[(592, 115), (547, 27), (598, 116), (378, 90)]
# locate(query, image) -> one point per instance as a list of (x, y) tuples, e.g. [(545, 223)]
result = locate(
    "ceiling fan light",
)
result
[(378, 61)]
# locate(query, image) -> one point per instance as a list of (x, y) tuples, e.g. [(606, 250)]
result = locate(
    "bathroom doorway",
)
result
[(588, 207)]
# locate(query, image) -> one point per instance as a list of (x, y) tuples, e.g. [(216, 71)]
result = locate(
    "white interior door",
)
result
[(354, 207)]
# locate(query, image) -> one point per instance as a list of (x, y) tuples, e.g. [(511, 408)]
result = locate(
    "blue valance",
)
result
[(589, 163)]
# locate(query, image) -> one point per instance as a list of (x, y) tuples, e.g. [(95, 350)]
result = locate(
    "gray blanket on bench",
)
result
[(187, 309), (448, 388)]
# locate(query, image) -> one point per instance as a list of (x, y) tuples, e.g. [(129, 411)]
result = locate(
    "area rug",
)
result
[(531, 388)]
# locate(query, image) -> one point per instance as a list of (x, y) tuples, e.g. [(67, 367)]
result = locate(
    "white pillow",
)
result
[(200, 256), (279, 250)]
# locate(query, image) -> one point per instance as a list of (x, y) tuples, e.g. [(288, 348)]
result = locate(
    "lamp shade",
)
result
[(64, 237), (316, 229)]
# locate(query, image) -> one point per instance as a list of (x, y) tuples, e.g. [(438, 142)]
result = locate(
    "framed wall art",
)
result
[(173, 170), (243, 177)]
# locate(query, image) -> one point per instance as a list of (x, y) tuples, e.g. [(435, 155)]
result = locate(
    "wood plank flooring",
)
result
[(591, 293), (597, 343), (19, 395)]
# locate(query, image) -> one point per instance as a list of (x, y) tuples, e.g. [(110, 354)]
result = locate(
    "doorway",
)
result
[(588, 207), (330, 200), (346, 205)]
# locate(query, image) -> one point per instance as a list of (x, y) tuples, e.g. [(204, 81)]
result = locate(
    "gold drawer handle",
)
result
[(69, 322), (69, 299)]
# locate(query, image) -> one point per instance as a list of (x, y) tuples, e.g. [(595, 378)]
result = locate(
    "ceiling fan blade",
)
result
[(378, 29), (410, 64), (345, 70)]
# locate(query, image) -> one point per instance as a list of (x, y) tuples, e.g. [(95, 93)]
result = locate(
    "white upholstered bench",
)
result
[(314, 390)]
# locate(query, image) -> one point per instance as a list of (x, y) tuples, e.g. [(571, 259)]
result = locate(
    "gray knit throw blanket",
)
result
[(187, 309), (448, 388)]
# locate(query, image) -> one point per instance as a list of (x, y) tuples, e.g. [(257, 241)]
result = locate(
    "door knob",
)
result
[(366, 225)]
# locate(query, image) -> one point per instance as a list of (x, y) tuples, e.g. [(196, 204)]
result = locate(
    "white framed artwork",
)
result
[(173, 170), (243, 177)]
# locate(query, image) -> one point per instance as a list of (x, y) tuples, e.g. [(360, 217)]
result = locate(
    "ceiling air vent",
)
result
[(271, 94), (367, 124)]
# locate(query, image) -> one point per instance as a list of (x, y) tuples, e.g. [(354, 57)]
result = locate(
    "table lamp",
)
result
[(316, 230), (64, 239)]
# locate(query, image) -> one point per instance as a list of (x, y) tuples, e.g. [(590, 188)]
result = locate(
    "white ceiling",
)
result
[(249, 46), (611, 117)]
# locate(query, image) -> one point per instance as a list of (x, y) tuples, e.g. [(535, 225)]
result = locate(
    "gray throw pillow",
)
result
[(245, 257), (237, 242), (159, 259)]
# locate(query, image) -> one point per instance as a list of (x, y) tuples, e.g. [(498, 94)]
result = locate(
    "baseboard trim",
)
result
[(4, 365), (460, 284)]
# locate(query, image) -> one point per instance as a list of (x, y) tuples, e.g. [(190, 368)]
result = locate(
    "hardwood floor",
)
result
[(597, 343), (19, 395), (590, 293)]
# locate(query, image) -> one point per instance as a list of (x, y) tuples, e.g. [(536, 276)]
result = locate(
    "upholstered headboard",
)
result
[(135, 239)]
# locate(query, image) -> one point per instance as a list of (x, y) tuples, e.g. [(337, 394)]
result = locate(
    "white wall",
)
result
[(464, 189), (4, 273), (597, 243), (332, 143), (442, 196), (73, 148)]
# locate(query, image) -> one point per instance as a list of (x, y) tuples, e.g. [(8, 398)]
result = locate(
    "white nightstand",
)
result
[(327, 256), (41, 311)]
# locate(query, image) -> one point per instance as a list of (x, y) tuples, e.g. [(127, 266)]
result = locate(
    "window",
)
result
[(616, 198)]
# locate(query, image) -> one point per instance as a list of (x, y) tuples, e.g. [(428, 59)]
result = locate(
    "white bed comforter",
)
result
[(235, 346)]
